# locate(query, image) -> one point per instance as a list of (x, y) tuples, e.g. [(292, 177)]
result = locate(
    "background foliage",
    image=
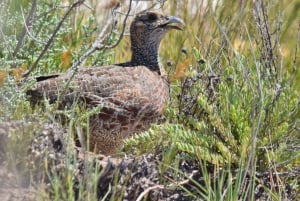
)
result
[(234, 77)]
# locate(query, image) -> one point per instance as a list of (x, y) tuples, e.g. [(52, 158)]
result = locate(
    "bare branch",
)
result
[(27, 29), (267, 56), (74, 5), (99, 43), (123, 29), (27, 24)]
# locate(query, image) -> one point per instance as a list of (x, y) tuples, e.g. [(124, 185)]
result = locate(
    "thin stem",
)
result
[(27, 25), (50, 41)]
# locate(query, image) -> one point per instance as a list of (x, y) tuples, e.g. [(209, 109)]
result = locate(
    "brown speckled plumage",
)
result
[(132, 95)]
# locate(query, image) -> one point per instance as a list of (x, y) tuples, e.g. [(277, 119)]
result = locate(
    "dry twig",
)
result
[(99, 43), (48, 44), (162, 187), (26, 29)]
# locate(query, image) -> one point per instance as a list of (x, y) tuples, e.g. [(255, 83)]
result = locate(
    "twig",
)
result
[(145, 192), (98, 44), (268, 39), (27, 29), (123, 29), (75, 4), (27, 23), (250, 165), (267, 55), (93, 49), (162, 187)]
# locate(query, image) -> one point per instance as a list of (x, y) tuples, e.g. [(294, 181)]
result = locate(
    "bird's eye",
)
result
[(152, 16)]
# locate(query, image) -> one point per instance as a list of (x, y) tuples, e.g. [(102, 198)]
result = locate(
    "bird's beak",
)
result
[(172, 22)]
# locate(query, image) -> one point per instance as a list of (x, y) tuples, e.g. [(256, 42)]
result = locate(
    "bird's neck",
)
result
[(146, 56)]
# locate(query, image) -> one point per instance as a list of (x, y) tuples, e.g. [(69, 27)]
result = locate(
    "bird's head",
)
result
[(153, 26), (146, 33)]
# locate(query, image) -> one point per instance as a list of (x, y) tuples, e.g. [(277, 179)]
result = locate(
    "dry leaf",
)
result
[(181, 69), (66, 59), (111, 4), (3, 75), (18, 72)]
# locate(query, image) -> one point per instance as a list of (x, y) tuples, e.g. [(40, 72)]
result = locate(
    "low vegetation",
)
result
[(230, 132)]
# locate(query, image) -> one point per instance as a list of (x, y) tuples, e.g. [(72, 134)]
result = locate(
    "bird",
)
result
[(132, 95)]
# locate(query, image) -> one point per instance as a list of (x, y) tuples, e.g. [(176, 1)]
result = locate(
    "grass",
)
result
[(234, 105)]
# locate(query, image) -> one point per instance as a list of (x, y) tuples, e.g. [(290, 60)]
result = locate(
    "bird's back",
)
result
[(110, 86)]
